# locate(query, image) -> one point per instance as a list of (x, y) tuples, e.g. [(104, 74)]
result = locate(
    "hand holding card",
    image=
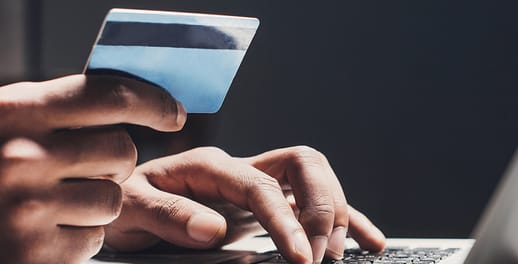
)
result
[(193, 56)]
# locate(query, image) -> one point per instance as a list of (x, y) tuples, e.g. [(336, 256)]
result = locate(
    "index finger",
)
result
[(211, 175), (318, 195), (80, 100)]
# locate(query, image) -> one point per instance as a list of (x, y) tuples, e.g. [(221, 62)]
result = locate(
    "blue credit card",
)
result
[(193, 56)]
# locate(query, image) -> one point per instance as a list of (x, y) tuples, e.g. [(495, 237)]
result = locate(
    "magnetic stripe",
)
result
[(175, 36)]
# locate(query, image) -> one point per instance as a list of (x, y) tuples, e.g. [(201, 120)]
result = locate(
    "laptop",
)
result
[(496, 241)]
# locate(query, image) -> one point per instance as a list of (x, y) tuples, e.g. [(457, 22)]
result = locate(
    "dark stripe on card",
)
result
[(175, 36)]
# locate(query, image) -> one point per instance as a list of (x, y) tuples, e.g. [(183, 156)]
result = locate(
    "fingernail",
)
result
[(318, 245), (204, 227), (336, 244), (302, 246)]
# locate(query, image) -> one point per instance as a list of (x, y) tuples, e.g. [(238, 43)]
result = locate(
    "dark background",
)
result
[(413, 102)]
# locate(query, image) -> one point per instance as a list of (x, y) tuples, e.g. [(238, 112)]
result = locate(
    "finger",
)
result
[(79, 100), (21, 161), (367, 235), (238, 183), (170, 217), (85, 202), (77, 244), (55, 244), (317, 193), (102, 152), (336, 245)]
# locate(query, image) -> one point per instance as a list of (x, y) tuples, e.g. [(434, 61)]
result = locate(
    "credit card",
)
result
[(193, 56)]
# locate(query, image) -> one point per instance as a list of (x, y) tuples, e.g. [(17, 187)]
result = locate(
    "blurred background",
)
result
[(415, 103)]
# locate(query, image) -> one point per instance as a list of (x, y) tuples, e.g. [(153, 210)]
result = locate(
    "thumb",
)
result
[(172, 218)]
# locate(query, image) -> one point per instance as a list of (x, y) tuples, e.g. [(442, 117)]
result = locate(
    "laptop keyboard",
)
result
[(400, 255)]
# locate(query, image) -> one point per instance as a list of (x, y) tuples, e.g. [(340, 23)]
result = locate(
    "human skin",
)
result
[(62, 157), (204, 198)]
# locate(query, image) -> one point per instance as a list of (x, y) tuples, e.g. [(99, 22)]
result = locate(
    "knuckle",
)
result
[(16, 155), (212, 152), (318, 211), (24, 148), (259, 187), (318, 218), (305, 155), (164, 210), (120, 96), (210, 156), (265, 183), (341, 206)]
